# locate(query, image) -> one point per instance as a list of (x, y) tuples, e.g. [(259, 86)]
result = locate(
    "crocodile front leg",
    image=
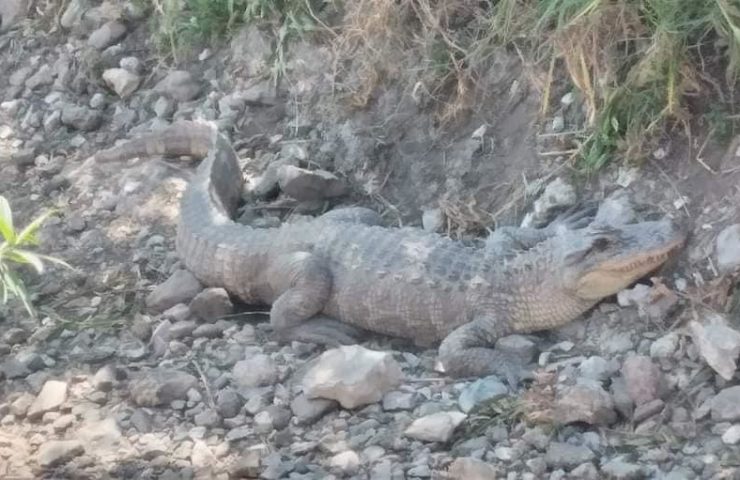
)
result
[(303, 281), (468, 351)]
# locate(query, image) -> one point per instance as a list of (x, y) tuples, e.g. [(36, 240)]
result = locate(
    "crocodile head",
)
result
[(601, 261)]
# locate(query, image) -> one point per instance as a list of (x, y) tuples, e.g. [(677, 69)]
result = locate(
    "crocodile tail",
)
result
[(180, 138)]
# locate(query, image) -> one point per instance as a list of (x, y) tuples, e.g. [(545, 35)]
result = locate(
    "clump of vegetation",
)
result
[(14, 253), (179, 25), (636, 63)]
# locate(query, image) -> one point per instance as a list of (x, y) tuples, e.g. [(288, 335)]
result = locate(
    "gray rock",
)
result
[(208, 330), (157, 387), (178, 85), (52, 396), (557, 194), (597, 368), (437, 427), (352, 375), (565, 455), (211, 304), (73, 13), (207, 418), (20, 406), (12, 368), (229, 403), (308, 185), (108, 34), (647, 410), (616, 209), (132, 64), (644, 379), (63, 422), (105, 378), (619, 469), (141, 420), (14, 336), (182, 329), (81, 118), (256, 371), (396, 400), (123, 82), (725, 406), (11, 12), (248, 466), (181, 287), (727, 249), (665, 346), (718, 344), (587, 403), (731, 435), (433, 220), (308, 410), (483, 389), (469, 468), (57, 452), (164, 107), (178, 313), (43, 77)]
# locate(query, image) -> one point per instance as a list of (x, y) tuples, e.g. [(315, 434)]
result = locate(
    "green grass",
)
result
[(15, 252), (634, 62)]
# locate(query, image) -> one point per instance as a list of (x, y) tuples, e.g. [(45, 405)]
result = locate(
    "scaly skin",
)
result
[(345, 269)]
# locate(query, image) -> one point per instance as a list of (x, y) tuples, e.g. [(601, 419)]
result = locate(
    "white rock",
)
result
[(347, 462), (256, 371), (731, 435), (52, 396), (352, 375), (665, 346), (433, 220), (122, 81), (728, 249), (56, 452), (719, 345), (437, 427)]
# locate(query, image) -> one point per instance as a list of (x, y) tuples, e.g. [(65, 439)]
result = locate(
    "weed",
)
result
[(14, 252)]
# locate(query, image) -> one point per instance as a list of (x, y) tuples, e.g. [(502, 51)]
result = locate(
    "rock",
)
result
[(727, 249), (597, 368), (178, 85), (132, 64), (248, 466), (108, 34), (731, 435), (211, 304), (437, 427), (229, 403), (207, 330), (105, 378), (178, 313), (719, 345), (558, 123), (181, 287), (157, 387), (433, 220), (73, 13), (308, 185), (63, 422), (123, 82), (643, 378), (398, 401), (256, 371), (483, 389), (81, 118), (654, 302), (615, 210), (469, 468), (665, 346), (14, 336), (44, 76), (647, 410), (519, 346), (725, 406), (20, 406), (141, 420), (207, 418), (619, 469), (57, 452), (565, 455), (345, 462), (52, 396), (587, 403), (308, 410), (557, 194), (352, 375), (12, 11)]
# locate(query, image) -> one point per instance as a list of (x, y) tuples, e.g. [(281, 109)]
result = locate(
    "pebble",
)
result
[(437, 427)]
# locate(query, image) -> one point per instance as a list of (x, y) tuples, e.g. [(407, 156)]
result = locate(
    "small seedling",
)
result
[(14, 252)]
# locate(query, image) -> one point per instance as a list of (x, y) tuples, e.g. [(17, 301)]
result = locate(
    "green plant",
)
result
[(14, 252)]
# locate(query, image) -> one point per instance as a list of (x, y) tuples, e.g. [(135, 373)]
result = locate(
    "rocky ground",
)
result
[(132, 369)]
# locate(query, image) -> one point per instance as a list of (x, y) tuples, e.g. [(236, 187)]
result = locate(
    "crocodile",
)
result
[(329, 277)]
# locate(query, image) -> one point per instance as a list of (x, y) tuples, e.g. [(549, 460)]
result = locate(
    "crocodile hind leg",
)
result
[(296, 312), (467, 352)]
